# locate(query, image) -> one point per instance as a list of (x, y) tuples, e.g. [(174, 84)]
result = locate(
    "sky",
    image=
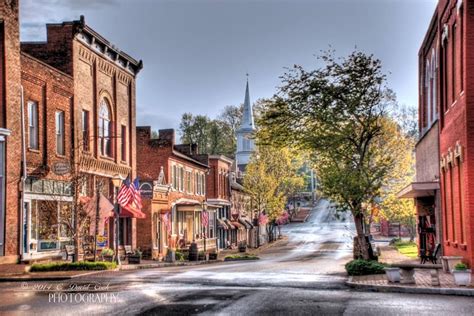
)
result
[(196, 53)]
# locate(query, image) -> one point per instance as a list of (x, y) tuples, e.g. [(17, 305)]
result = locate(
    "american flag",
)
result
[(125, 195), (135, 188), (205, 218)]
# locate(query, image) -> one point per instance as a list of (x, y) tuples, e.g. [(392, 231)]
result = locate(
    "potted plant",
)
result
[(462, 275), (135, 257), (107, 254), (242, 246)]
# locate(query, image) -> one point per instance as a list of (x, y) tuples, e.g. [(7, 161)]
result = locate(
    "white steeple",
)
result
[(245, 145)]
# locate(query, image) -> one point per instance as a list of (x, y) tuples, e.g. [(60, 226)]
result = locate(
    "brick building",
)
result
[(175, 209), (79, 131), (446, 71)]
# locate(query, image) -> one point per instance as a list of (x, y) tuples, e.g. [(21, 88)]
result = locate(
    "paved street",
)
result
[(303, 275)]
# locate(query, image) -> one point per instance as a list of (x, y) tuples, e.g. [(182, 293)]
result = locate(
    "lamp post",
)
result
[(116, 181)]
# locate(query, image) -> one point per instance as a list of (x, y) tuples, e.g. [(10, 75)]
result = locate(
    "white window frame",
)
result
[(33, 134), (60, 129)]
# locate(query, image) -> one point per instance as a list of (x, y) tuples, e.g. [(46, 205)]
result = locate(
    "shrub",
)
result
[(241, 257), (364, 267), (460, 267), (179, 256), (72, 266), (107, 252)]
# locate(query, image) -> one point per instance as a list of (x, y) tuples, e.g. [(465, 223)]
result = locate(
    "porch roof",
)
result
[(418, 189)]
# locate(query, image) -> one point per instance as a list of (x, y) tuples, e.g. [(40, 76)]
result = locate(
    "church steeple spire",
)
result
[(247, 115), (245, 142)]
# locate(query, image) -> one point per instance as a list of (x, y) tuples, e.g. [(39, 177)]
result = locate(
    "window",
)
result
[(33, 124), (85, 130), (60, 133), (124, 143), (453, 65), (105, 129), (181, 179), (461, 48)]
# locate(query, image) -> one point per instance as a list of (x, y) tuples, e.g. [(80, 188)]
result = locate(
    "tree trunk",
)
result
[(76, 234), (363, 247)]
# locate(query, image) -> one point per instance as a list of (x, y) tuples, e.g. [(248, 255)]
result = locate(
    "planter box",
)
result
[(462, 277), (393, 274), (108, 258), (449, 262), (134, 259)]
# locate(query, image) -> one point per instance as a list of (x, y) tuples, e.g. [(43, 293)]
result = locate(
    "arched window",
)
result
[(427, 107), (105, 129)]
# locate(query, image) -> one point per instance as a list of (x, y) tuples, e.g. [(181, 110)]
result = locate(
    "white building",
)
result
[(245, 143)]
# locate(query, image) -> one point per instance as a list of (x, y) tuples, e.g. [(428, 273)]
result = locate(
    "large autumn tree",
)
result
[(338, 113)]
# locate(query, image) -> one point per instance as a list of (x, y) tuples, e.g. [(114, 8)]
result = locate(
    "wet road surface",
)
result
[(303, 275)]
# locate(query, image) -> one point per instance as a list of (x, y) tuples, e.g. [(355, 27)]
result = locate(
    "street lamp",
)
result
[(117, 182)]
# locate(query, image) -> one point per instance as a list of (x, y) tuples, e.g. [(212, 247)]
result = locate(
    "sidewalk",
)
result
[(423, 285), (253, 251), (17, 272)]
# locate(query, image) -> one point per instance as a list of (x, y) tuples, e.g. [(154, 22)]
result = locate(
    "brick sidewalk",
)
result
[(379, 282)]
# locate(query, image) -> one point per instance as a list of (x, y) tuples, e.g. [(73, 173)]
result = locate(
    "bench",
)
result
[(407, 272), (128, 250), (70, 252)]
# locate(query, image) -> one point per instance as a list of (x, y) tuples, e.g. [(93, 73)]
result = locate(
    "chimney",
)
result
[(143, 134), (168, 135)]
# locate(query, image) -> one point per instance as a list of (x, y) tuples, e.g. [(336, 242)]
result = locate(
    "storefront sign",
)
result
[(101, 241), (146, 190), (61, 168)]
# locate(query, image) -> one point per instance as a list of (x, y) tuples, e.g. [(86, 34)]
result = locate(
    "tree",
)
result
[(337, 113), (270, 178), (195, 130), (391, 207)]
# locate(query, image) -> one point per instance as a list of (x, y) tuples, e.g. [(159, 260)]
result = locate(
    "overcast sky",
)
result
[(196, 52)]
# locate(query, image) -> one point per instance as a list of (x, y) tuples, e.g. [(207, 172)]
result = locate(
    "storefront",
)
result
[(47, 217), (425, 195), (189, 225)]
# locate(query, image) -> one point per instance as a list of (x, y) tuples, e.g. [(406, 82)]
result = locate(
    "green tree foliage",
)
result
[(213, 136), (339, 114)]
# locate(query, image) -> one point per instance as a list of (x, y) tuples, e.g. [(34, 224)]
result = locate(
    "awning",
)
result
[(245, 223), (238, 225), (131, 212), (222, 224), (249, 222), (231, 226), (418, 189)]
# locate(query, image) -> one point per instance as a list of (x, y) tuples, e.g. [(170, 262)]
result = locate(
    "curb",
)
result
[(410, 290), (166, 265), (26, 278)]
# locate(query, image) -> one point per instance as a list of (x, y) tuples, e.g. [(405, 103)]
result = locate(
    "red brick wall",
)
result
[(10, 119), (53, 91), (456, 123), (152, 154), (57, 51), (218, 179)]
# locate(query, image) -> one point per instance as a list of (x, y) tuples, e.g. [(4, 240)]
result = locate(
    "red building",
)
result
[(68, 105), (446, 71), (175, 207)]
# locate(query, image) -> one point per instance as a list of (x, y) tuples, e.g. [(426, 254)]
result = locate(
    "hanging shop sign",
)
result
[(61, 168)]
